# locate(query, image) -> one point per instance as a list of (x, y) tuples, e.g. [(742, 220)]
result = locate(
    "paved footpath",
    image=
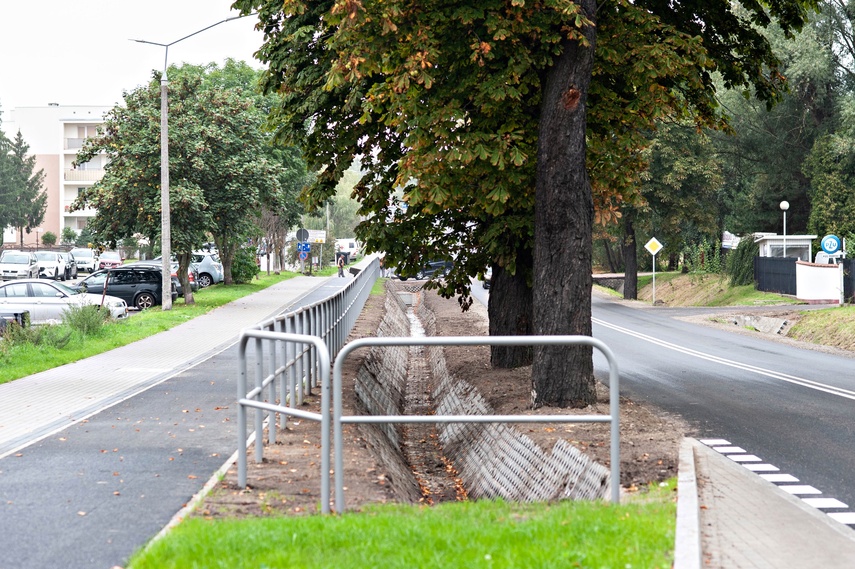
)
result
[(97, 456)]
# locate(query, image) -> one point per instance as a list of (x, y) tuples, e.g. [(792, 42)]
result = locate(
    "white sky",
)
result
[(77, 52)]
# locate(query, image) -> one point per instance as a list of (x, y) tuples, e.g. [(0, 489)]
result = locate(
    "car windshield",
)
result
[(67, 290), (16, 259), (82, 253), (110, 255), (46, 256)]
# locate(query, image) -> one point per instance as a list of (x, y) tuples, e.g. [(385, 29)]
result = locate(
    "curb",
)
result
[(687, 542)]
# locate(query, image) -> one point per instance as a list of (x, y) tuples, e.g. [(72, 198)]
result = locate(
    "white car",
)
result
[(47, 300), (87, 259), (18, 265), (51, 265)]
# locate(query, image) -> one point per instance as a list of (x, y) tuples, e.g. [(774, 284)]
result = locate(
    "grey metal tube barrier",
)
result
[(338, 419), (253, 399)]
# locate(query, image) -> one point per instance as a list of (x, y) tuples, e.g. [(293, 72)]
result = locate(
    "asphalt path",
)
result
[(793, 407), (92, 494)]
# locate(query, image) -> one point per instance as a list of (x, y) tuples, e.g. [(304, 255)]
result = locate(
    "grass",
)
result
[(488, 534), (21, 360)]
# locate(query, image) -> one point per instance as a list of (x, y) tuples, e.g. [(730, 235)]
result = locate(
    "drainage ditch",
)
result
[(434, 463)]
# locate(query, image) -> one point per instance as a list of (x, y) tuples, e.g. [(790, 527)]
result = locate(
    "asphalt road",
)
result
[(791, 406)]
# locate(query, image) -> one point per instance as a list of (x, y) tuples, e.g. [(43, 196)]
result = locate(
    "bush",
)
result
[(49, 239), (740, 262), (243, 266), (87, 319), (48, 335), (701, 258)]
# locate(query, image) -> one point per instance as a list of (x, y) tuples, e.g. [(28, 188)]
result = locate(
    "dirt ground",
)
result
[(288, 481)]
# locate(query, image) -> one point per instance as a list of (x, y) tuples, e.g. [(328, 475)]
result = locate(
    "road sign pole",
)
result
[(653, 246)]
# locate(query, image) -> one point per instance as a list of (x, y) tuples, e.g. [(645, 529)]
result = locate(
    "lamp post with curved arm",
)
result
[(165, 226)]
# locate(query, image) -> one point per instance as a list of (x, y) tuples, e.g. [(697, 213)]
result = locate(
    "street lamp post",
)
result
[(165, 225), (784, 207)]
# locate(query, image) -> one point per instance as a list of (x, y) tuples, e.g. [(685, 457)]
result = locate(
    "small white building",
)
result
[(774, 245)]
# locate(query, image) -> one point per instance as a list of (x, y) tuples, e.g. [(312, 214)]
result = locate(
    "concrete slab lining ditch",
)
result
[(490, 460)]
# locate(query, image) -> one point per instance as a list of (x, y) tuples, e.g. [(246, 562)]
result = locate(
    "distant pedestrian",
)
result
[(341, 265), (382, 266)]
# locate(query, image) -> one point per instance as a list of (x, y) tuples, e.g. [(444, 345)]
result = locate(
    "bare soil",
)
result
[(288, 481)]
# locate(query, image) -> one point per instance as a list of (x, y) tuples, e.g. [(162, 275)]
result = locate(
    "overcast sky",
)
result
[(77, 52)]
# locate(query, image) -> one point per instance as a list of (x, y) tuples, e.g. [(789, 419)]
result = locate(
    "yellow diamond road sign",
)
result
[(653, 246)]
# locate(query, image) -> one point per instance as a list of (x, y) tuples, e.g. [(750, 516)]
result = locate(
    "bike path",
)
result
[(96, 457)]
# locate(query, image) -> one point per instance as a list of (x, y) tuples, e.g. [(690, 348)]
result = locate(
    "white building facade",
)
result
[(55, 134)]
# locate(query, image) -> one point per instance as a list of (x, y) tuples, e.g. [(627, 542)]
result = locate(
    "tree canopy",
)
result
[(487, 128), (23, 199), (222, 169)]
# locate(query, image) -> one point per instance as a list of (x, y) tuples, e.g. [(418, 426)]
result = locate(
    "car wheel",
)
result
[(144, 300), (205, 280), (420, 275)]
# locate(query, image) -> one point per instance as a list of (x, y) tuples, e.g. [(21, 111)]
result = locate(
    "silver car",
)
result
[(209, 267), (46, 301), (18, 265), (51, 265), (87, 259)]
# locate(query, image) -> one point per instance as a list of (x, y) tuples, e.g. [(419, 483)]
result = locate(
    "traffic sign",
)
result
[(302, 234), (653, 246), (303, 247), (830, 244), (303, 255)]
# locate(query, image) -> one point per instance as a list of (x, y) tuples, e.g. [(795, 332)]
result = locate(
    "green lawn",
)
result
[(22, 360), (488, 534)]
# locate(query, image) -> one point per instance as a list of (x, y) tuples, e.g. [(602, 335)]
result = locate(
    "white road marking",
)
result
[(810, 384)]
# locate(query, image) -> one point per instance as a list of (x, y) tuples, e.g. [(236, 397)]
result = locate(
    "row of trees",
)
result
[(23, 199), (495, 132), (226, 178), (699, 183)]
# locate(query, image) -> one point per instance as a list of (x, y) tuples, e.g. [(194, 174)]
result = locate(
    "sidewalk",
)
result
[(33, 407), (744, 519)]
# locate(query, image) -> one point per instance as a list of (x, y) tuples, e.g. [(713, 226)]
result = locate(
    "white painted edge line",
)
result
[(797, 490), (744, 458), (715, 442), (763, 467), (687, 538), (779, 477), (847, 518), (826, 503), (730, 450)]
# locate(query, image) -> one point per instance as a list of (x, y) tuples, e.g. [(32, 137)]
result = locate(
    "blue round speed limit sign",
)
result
[(830, 244)]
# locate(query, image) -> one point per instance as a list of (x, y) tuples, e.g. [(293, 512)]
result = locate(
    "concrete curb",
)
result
[(687, 542)]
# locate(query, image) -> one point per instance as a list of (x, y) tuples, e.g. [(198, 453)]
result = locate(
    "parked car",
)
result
[(87, 259), (70, 265), (209, 267), (138, 286), (18, 265), (51, 265), (192, 275), (430, 269), (110, 260), (47, 301), (488, 278)]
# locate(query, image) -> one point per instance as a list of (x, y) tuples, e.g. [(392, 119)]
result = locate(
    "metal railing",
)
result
[(293, 350), (339, 419)]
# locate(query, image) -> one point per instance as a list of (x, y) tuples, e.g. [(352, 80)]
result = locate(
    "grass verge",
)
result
[(21, 360), (489, 534)]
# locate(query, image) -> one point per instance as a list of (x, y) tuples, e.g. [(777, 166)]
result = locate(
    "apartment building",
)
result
[(55, 133)]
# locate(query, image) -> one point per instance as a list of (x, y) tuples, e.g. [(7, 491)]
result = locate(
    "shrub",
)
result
[(49, 238), (87, 319), (740, 262), (243, 266), (48, 335), (703, 258)]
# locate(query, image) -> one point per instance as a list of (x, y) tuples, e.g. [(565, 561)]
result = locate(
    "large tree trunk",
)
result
[(510, 313), (563, 376), (630, 258)]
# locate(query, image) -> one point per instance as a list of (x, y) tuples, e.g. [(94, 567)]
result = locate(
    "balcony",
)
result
[(72, 175), (86, 212), (74, 143)]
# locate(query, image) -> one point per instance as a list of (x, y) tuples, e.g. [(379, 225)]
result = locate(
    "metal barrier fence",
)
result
[(339, 419), (299, 345)]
